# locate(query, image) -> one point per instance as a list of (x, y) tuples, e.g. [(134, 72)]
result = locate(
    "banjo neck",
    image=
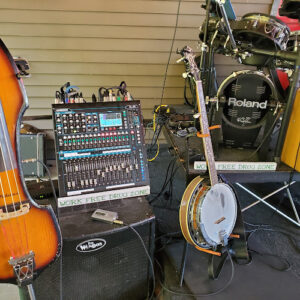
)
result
[(189, 57), (207, 144)]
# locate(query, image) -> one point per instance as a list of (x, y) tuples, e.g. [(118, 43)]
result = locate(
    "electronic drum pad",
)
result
[(248, 96)]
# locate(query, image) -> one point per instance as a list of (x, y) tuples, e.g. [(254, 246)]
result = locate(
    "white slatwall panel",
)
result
[(96, 43)]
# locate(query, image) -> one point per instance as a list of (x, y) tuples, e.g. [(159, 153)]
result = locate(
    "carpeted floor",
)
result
[(274, 243)]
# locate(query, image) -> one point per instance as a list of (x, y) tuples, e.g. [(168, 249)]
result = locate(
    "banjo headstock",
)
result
[(188, 56)]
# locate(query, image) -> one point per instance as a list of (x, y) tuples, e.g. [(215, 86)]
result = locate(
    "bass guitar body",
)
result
[(30, 238)]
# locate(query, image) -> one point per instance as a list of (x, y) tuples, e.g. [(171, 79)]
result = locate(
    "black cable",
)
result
[(170, 53), (148, 256), (270, 228), (172, 176), (164, 184), (186, 100), (52, 185), (161, 120), (264, 138), (163, 187), (169, 290)]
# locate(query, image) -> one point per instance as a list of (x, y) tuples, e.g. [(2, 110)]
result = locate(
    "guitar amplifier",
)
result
[(100, 260)]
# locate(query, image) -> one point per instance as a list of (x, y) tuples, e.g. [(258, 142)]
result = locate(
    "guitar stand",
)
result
[(237, 248)]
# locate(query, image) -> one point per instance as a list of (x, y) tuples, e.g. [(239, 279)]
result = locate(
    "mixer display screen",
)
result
[(110, 120), (99, 147)]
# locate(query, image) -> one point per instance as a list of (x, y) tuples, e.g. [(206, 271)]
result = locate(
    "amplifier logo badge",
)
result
[(91, 245), (245, 103)]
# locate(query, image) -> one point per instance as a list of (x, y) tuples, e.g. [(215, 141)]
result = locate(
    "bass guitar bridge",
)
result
[(24, 209), (23, 267)]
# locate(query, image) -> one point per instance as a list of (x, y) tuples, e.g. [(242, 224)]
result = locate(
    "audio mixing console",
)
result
[(99, 147)]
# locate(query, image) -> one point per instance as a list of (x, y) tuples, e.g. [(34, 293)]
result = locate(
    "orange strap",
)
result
[(200, 135), (235, 236), (214, 127), (208, 251)]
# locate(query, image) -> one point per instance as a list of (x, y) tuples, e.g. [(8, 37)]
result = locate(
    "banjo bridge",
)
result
[(220, 220), (23, 210)]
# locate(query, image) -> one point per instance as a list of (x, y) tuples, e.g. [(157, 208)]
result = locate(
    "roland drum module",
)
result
[(99, 147)]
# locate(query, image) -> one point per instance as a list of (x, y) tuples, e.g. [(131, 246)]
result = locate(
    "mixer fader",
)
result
[(99, 146)]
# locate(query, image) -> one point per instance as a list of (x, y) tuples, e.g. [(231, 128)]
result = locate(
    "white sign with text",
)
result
[(103, 196), (237, 166)]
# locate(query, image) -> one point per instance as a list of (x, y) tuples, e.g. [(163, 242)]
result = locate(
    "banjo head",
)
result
[(216, 214), (207, 214)]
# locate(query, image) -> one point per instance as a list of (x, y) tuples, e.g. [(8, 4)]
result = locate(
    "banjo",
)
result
[(207, 213)]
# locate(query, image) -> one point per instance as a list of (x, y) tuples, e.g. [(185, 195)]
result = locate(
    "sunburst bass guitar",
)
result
[(30, 238), (207, 212)]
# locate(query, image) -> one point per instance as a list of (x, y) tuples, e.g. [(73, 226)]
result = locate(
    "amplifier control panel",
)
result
[(99, 147)]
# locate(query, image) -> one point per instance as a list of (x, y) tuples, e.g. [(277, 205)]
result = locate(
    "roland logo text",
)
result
[(245, 103)]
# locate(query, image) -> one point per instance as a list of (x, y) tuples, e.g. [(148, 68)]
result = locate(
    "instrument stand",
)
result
[(237, 248), (31, 292)]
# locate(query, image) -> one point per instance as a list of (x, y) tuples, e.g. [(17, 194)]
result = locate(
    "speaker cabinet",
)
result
[(100, 260)]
